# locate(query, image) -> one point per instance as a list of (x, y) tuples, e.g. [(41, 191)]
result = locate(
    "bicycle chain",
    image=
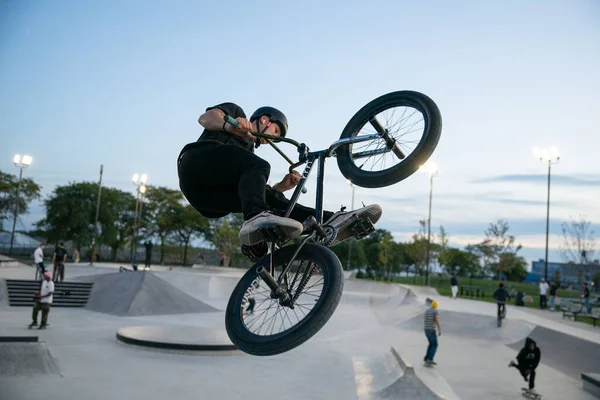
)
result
[(304, 282)]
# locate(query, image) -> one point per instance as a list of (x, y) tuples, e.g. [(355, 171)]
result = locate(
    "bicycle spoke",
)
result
[(303, 281), (404, 124)]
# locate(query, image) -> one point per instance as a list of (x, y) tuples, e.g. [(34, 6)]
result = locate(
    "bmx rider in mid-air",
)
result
[(219, 174)]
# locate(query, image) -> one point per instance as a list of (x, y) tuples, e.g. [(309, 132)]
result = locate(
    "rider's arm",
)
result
[(437, 322), (212, 120)]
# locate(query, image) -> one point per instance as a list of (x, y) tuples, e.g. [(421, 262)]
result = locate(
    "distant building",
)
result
[(568, 273)]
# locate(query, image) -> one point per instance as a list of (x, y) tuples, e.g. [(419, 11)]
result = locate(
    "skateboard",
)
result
[(527, 393)]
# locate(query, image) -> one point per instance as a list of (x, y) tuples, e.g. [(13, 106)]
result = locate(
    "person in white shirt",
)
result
[(43, 301), (38, 257), (543, 291)]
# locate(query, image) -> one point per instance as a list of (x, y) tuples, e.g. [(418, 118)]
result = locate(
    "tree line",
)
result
[(167, 218)]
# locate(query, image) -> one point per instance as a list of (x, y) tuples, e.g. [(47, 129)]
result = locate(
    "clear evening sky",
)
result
[(122, 83)]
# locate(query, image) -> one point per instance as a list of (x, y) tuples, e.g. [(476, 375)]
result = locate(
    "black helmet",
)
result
[(274, 115)]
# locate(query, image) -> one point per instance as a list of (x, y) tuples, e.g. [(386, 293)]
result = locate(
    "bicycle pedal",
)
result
[(273, 234), (361, 228)]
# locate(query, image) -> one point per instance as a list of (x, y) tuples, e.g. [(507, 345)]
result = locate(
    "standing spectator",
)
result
[(586, 298), (38, 257), (76, 255), (432, 320), (43, 301), (553, 289), (543, 291), (58, 260), (148, 246), (454, 286)]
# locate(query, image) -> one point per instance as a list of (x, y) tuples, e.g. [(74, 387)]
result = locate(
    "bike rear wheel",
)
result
[(272, 328), (413, 123)]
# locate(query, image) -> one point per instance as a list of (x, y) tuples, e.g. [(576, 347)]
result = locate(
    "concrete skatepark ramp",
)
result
[(139, 293), (568, 354), (26, 359)]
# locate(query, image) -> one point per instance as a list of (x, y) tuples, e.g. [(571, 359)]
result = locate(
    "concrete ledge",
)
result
[(591, 383), (406, 367), (176, 337), (20, 339)]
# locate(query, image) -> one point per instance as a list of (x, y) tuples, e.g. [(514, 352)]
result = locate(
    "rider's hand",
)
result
[(440, 333), (289, 182), (243, 129)]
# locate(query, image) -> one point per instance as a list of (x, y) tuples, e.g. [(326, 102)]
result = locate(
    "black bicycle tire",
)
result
[(326, 305), (424, 150)]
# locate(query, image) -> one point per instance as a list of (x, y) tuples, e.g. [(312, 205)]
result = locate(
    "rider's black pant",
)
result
[(523, 369), (219, 179)]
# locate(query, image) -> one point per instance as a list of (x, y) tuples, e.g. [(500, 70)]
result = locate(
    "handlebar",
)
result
[(233, 122)]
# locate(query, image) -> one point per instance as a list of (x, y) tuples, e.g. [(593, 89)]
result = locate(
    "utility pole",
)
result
[(95, 230)]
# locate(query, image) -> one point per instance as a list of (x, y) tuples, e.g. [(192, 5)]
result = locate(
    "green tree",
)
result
[(223, 235), (416, 249), (11, 194), (189, 224), (514, 266), (117, 211), (385, 255), (499, 242), (459, 262), (70, 210), (160, 214), (357, 254)]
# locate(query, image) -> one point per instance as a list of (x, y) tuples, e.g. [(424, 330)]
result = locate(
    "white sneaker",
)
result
[(250, 233), (342, 220)]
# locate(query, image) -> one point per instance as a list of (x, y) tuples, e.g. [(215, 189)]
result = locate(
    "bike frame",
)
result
[(320, 157), (310, 158)]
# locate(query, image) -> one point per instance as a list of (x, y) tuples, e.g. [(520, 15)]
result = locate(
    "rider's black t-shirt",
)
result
[(60, 254), (234, 111)]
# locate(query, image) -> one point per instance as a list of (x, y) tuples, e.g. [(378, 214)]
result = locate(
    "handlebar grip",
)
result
[(231, 121), (234, 122)]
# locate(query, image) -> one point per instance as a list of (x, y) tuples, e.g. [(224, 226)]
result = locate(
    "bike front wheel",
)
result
[(315, 283), (410, 124)]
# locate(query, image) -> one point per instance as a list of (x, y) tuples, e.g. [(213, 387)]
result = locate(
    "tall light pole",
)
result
[(352, 208), (95, 229), (140, 182), (549, 156), (20, 162), (431, 169)]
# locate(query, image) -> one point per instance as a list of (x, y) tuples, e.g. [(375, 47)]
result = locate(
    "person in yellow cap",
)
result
[(432, 320)]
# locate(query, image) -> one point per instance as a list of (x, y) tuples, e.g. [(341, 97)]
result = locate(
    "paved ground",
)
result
[(349, 358)]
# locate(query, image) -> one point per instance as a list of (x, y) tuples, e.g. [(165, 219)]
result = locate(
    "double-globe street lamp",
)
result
[(19, 162)]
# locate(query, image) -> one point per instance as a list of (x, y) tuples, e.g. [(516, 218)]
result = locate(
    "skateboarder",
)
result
[(528, 360), (43, 301), (431, 321)]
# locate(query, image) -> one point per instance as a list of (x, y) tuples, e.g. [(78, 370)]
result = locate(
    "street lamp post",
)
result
[(352, 208), (20, 162), (549, 156), (431, 169), (139, 181)]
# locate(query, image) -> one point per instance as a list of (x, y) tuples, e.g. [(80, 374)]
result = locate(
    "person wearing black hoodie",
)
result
[(528, 360)]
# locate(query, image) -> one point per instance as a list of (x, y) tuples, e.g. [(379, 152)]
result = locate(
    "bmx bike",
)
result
[(501, 313), (298, 284)]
